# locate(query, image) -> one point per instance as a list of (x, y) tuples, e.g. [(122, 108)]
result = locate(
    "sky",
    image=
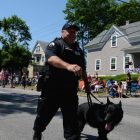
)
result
[(45, 18)]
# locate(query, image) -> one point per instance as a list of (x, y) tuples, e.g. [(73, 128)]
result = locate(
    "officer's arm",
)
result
[(59, 63)]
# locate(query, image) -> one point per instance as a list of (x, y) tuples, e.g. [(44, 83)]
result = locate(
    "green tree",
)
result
[(15, 58), (90, 15), (14, 38), (127, 12), (0, 58), (94, 16)]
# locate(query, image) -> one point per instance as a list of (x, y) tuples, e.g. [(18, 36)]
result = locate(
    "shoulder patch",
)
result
[(51, 45)]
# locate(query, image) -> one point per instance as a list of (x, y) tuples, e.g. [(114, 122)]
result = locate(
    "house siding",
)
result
[(105, 54)]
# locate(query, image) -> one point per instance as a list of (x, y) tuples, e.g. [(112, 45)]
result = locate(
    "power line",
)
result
[(55, 29), (118, 37), (119, 27), (47, 33), (51, 26), (49, 30)]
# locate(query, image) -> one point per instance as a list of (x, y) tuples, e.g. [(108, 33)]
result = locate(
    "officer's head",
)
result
[(69, 31)]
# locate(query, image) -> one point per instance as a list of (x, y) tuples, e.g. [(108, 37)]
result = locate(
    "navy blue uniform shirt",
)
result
[(72, 54)]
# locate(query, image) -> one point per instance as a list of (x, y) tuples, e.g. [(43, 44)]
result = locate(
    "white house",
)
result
[(38, 55)]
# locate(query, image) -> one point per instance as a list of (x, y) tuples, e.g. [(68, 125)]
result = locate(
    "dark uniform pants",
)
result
[(49, 105)]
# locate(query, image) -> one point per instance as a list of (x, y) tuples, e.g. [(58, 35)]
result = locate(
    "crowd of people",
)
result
[(112, 87), (13, 79)]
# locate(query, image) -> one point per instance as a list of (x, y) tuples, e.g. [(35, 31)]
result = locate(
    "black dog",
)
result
[(104, 117)]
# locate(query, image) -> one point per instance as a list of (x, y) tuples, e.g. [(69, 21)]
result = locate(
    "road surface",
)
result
[(18, 111)]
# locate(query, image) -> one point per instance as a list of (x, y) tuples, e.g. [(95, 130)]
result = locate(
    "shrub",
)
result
[(121, 77)]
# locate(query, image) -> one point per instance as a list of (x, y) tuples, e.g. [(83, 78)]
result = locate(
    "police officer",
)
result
[(64, 66)]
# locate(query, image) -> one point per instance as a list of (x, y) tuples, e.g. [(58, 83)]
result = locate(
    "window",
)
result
[(114, 41), (38, 49), (97, 64), (113, 63), (127, 62), (37, 59)]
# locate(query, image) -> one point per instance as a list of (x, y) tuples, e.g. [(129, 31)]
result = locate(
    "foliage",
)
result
[(0, 58), (94, 16), (14, 31), (15, 58), (121, 77), (127, 12), (90, 15), (14, 37)]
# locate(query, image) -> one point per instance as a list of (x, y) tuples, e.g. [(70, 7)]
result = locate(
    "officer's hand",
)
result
[(77, 70)]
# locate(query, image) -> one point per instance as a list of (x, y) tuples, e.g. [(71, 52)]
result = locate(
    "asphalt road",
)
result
[(18, 111)]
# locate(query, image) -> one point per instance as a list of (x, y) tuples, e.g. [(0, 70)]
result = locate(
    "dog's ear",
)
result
[(108, 101), (120, 104)]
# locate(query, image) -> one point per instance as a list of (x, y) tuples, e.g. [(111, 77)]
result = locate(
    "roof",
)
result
[(97, 39), (132, 49), (43, 45), (130, 31)]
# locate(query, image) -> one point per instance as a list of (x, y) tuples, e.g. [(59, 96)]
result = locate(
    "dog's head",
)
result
[(113, 114)]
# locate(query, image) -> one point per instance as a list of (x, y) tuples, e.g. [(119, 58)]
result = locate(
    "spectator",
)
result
[(3, 78), (120, 89), (93, 84), (96, 75), (108, 83), (13, 75), (23, 80), (81, 85), (128, 83), (98, 84), (89, 78), (112, 89), (138, 83)]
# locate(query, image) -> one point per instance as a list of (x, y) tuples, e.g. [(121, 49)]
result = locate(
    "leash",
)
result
[(89, 94), (88, 90)]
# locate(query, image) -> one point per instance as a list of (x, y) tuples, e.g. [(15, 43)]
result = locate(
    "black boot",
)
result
[(37, 135)]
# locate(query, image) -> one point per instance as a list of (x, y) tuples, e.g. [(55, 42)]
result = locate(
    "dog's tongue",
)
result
[(108, 126)]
